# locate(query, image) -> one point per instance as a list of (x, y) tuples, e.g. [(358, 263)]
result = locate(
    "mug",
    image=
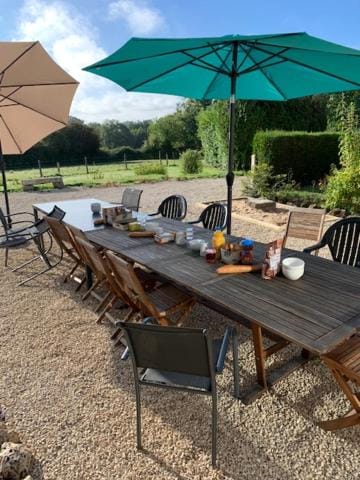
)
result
[(203, 247)]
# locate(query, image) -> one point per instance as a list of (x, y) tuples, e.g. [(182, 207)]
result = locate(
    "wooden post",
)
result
[(253, 162), (160, 157), (86, 164), (58, 168), (126, 166), (167, 159), (40, 169)]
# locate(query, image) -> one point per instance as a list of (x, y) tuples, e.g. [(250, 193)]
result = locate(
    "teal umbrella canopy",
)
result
[(259, 67)]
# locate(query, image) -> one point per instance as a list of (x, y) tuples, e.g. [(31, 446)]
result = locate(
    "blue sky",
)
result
[(79, 32)]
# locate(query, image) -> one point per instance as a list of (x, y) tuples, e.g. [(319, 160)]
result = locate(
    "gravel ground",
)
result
[(71, 398)]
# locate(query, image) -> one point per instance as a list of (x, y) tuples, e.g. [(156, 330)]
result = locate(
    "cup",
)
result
[(210, 255), (95, 207), (180, 238)]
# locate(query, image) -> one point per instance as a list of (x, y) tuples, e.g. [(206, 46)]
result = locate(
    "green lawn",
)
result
[(107, 174)]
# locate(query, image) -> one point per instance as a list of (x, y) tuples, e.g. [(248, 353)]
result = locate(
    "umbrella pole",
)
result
[(3, 174), (230, 173)]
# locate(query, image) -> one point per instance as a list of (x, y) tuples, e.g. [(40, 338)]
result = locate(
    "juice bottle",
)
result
[(218, 241)]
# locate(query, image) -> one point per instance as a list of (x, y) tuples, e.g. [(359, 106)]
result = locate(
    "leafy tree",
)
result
[(115, 134), (335, 108), (139, 131)]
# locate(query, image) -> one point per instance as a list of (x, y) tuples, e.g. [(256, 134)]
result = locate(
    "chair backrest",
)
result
[(57, 213), (305, 223), (75, 234), (174, 349), (131, 198), (131, 285), (343, 240), (94, 258), (174, 207), (59, 231), (214, 216)]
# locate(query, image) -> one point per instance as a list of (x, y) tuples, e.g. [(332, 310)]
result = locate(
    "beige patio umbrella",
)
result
[(35, 98)]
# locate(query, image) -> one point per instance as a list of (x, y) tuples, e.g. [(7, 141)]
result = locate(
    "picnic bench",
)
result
[(28, 184)]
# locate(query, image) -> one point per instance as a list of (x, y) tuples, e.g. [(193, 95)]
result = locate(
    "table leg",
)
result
[(260, 355)]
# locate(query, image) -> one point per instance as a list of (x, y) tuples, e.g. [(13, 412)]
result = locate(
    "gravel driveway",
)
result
[(71, 398)]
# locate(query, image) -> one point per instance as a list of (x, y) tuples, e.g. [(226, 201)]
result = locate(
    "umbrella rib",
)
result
[(215, 76), (207, 65), (6, 97), (302, 48), (255, 66), (163, 73), (269, 79), (11, 135), (37, 111), (217, 54), (319, 70), (181, 50), (18, 57)]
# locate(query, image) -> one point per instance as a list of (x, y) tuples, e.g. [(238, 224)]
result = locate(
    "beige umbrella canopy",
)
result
[(35, 98)]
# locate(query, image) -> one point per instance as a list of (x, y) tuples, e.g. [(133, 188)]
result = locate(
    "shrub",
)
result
[(191, 161), (309, 156), (150, 168), (262, 182)]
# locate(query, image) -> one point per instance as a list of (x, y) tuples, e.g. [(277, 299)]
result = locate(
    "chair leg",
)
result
[(235, 344), (6, 256), (351, 419), (104, 302), (138, 416), (259, 354), (214, 430), (88, 292)]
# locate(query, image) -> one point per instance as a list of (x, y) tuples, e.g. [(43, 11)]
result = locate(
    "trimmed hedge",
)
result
[(309, 156)]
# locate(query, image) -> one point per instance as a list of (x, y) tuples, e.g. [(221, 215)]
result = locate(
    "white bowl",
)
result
[(293, 268), (195, 244), (230, 257)]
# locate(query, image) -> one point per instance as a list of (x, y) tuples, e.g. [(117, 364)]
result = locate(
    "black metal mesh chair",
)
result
[(174, 207), (131, 198), (343, 240), (20, 237), (181, 359), (212, 217)]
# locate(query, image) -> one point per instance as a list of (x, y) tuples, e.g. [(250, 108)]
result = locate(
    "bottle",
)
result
[(218, 241), (247, 253)]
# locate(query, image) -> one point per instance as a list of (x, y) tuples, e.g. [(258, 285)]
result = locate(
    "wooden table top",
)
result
[(317, 312)]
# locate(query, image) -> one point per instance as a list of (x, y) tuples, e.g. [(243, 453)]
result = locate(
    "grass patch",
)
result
[(112, 174), (300, 198), (150, 168)]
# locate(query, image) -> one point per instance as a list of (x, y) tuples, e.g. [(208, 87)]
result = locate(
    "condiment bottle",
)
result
[(247, 254), (218, 241)]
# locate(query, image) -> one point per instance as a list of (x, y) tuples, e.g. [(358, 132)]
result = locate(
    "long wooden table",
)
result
[(317, 312)]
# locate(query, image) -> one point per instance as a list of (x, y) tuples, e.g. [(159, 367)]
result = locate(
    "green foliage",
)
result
[(308, 114), (262, 182), (335, 108), (191, 161), (150, 168), (300, 198), (308, 156), (343, 185)]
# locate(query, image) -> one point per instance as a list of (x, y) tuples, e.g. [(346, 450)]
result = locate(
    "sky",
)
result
[(78, 33)]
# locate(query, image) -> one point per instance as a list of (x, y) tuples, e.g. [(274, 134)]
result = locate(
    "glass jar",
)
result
[(247, 252)]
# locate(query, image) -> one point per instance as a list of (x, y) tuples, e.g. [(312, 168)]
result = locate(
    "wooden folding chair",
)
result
[(344, 362), (63, 238), (166, 303), (305, 223)]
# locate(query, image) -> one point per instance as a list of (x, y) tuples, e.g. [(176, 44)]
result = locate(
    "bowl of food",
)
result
[(195, 244), (230, 254), (293, 268)]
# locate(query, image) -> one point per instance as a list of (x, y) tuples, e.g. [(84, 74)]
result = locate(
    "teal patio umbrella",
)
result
[(258, 67)]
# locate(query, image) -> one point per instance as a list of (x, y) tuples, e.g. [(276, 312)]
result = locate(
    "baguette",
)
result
[(141, 234), (238, 269)]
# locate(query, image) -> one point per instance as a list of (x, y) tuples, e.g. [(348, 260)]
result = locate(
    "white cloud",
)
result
[(73, 42), (139, 16)]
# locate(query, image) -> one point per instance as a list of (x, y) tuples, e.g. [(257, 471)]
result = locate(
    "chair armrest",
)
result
[(317, 246), (19, 213), (193, 221), (153, 214), (146, 321), (220, 363)]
